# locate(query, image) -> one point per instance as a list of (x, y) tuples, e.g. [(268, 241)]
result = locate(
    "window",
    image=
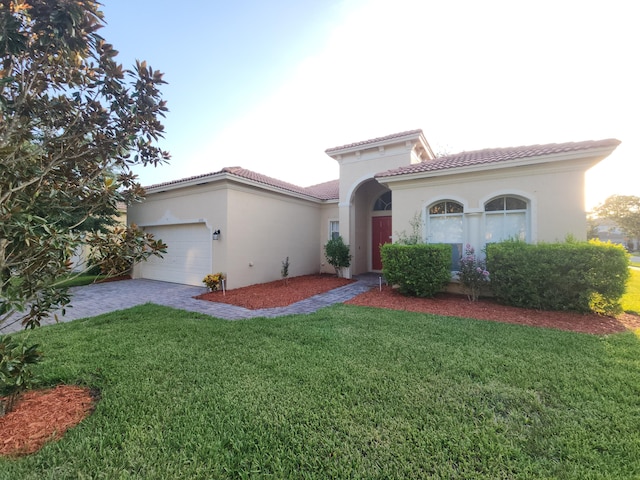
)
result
[(445, 225), (505, 218), (383, 202), (334, 229)]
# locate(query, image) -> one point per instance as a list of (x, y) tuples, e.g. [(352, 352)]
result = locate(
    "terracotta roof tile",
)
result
[(323, 191), (373, 140), (495, 155)]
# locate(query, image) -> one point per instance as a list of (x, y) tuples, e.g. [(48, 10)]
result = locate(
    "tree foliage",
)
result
[(624, 210), (73, 123), (337, 253)]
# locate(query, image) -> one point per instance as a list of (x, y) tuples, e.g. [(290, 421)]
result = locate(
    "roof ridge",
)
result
[(374, 140)]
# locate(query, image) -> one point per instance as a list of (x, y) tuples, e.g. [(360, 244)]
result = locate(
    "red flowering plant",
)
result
[(473, 273)]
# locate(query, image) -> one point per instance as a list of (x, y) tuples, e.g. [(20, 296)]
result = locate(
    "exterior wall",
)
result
[(205, 204), (358, 192), (259, 229), (328, 212), (555, 195), (263, 229)]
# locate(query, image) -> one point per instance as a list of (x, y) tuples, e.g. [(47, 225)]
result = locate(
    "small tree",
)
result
[(337, 254), (284, 272)]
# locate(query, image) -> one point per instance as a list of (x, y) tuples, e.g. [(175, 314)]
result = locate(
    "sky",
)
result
[(269, 86)]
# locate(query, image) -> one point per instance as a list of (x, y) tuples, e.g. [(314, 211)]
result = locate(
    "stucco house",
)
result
[(245, 224)]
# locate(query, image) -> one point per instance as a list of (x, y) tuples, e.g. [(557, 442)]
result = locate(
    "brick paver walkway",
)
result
[(96, 299)]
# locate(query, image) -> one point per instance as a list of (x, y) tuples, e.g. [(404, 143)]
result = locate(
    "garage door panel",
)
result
[(188, 257)]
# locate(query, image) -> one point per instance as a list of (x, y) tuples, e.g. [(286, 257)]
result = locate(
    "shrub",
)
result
[(418, 270), (337, 254), (473, 273), (580, 276), (213, 281), (284, 272), (16, 360)]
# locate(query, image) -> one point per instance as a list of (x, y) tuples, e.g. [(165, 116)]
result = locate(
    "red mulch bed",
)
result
[(488, 309), (278, 293), (42, 416)]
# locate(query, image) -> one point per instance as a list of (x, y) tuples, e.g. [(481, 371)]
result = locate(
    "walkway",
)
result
[(99, 298)]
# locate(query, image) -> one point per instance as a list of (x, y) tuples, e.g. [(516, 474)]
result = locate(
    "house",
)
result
[(245, 224), (607, 230)]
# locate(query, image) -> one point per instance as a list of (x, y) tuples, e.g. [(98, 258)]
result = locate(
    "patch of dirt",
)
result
[(488, 309), (278, 293), (42, 416)]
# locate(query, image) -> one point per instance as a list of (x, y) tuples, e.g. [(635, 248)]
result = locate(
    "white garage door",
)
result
[(188, 257)]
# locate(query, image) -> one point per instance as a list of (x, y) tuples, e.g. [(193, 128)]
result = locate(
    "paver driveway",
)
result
[(99, 298)]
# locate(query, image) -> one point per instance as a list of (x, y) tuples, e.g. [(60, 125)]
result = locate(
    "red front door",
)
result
[(380, 234)]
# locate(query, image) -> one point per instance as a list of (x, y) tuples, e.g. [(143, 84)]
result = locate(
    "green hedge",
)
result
[(580, 276), (419, 270)]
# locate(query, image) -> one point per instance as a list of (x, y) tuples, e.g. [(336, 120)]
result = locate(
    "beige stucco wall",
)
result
[(555, 195), (263, 229), (206, 204), (328, 213), (259, 228)]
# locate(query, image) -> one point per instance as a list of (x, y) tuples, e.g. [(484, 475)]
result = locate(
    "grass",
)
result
[(631, 299), (348, 392), (78, 280)]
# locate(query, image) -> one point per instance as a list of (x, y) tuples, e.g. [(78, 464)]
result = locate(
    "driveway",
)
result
[(99, 298)]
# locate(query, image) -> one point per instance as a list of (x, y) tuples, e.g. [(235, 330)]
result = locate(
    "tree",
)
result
[(337, 254), (73, 123), (625, 211)]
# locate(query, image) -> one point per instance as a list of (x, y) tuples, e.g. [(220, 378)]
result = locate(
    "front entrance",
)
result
[(380, 234)]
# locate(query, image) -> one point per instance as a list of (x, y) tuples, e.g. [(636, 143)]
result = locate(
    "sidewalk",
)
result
[(99, 298)]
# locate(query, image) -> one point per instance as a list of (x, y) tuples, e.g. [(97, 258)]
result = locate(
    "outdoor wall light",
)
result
[(216, 234)]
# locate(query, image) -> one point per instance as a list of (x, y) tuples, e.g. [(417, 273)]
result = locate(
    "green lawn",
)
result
[(77, 280), (348, 392), (631, 299)]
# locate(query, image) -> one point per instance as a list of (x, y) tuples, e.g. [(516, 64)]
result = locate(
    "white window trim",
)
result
[(330, 231)]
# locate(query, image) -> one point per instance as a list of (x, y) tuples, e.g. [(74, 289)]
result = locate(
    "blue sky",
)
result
[(270, 85)]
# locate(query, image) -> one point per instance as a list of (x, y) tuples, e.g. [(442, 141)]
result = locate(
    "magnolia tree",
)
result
[(73, 124)]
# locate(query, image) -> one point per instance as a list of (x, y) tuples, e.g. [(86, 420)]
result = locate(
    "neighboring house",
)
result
[(81, 255), (533, 193), (607, 230)]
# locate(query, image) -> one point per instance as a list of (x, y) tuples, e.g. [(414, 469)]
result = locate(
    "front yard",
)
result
[(347, 392)]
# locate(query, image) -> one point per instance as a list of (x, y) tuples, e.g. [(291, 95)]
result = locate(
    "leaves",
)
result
[(624, 210), (73, 122)]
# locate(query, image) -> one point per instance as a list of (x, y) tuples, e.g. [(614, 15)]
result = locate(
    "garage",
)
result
[(188, 257)]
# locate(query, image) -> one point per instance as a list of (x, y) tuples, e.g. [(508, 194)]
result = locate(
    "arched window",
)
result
[(445, 225), (505, 218), (383, 202)]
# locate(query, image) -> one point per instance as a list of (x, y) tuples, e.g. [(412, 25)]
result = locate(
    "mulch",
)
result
[(449, 304), (279, 293), (41, 416)]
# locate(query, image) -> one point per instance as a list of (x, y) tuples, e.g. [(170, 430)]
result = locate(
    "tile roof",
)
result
[(495, 155), (322, 191), (373, 140), (325, 191)]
